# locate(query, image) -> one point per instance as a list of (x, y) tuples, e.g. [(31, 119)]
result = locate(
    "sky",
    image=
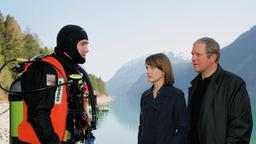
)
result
[(122, 30)]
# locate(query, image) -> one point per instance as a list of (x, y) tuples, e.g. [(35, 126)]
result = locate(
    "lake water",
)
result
[(112, 131), (253, 103), (119, 125)]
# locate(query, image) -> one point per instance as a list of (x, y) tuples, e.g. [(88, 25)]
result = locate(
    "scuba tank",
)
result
[(15, 111), (16, 99), (15, 102)]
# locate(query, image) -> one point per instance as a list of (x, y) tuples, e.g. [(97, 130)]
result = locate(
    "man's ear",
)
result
[(213, 57)]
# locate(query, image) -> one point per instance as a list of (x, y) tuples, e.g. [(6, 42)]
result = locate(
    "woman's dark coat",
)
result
[(163, 120)]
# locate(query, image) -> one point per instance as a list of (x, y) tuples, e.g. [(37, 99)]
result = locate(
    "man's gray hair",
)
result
[(212, 46)]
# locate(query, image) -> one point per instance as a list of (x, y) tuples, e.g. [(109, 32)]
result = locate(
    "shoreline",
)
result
[(4, 122)]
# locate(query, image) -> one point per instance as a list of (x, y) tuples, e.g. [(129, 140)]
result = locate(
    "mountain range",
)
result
[(238, 57)]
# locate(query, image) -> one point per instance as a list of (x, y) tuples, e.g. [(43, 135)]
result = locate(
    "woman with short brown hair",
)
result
[(163, 115)]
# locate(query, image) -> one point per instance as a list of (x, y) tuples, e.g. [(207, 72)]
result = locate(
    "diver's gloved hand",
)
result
[(84, 121), (82, 127)]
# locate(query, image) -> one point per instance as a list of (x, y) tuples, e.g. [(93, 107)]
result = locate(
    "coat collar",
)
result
[(164, 92), (216, 76)]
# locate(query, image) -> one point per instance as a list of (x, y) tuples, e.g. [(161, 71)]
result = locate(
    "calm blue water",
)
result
[(111, 130)]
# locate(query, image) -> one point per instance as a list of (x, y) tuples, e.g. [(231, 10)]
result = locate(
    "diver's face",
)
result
[(82, 48)]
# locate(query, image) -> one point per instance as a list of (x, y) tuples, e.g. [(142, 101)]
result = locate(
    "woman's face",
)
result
[(154, 74)]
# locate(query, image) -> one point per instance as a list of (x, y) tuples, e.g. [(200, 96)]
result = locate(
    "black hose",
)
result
[(91, 96), (35, 90)]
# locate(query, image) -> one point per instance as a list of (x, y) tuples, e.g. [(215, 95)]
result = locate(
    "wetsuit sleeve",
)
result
[(180, 120), (40, 103)]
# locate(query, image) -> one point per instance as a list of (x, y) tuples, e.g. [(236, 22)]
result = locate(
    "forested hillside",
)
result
[(98, 85), (14, 43)]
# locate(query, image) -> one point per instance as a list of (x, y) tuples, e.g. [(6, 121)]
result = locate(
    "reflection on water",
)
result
[(126, 112), (101, 115), (119, 124), (253, 104), (110, 130)]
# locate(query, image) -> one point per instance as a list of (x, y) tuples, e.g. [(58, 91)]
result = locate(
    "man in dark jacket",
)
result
[(219, 105)]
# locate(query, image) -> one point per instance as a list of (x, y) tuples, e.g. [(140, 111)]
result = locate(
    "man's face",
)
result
[(200, 60), (82, 48)]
